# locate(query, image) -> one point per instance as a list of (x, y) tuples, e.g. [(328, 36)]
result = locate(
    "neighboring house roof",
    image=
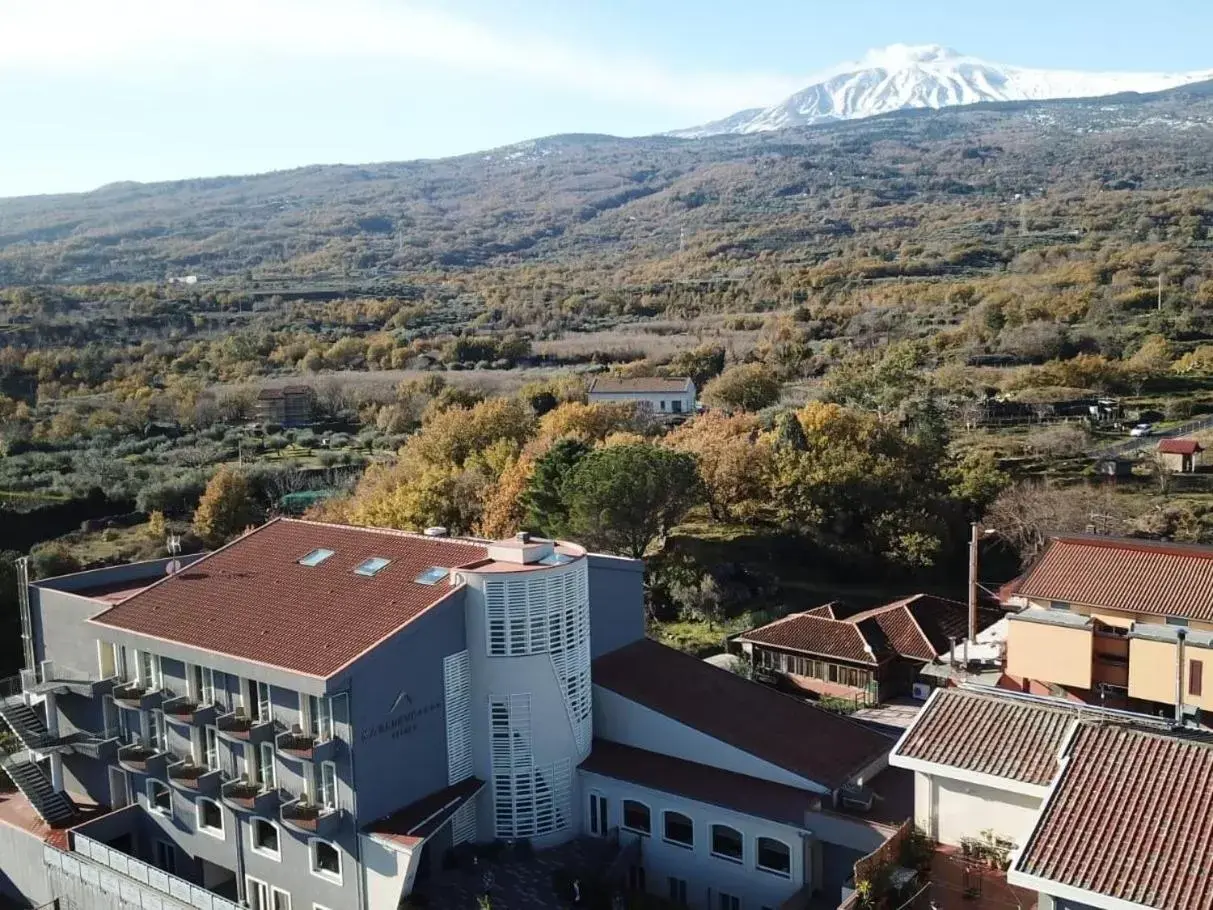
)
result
[(284, 391), (1140, 576), (920, 627), (253, 600), (826, 611), (1180, 447), (702, 783), (411, 825), (990, 733), (785, 731), (1131, 818), (812, 634), (640, 385)]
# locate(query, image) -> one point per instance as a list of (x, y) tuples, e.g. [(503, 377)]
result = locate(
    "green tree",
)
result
[(745, 387), (701, 364), (789, 434), (226, 507), (546, 511), (623, 498)]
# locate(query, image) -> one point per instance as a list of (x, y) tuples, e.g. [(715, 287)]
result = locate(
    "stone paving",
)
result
[(516, 884)]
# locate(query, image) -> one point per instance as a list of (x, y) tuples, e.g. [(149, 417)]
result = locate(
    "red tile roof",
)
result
[(814, 634), (917, 627), (415, 822), (1135, 575), (826, 611), (990, 733), (643, 384), (253, 600), (786, 731), (1131, 818), (740, 792), (1180, 447)]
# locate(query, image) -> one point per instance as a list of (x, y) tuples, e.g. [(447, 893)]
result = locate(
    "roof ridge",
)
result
[(376, 529), (917, 625)]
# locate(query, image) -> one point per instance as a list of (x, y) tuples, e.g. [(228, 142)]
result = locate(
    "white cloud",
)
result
[(71, 36)]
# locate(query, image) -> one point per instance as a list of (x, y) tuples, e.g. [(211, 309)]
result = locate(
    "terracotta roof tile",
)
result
[(253, 600), (1180, 447), (1131, 818), (740, 792), (990, 733), (814, 634), (1137, 575), (820, 746), (417, 821), (640, 385)]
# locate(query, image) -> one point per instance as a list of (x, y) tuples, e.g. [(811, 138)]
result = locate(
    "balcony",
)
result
[(238, 726), (296, 744), (308, 818), (1111, 658), (137, 695), (102, 746), (195, 779), (141, 759), (182, 709), (49, 679), (249, 796)]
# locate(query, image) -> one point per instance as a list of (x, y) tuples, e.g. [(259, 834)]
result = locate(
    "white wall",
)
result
[(23, 875), (950, 809), (705, 875), (385, 873), (652, 399), (623, 721)]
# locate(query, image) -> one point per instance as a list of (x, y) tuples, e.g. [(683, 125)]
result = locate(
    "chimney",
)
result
[(523, 536), (1180, 633)]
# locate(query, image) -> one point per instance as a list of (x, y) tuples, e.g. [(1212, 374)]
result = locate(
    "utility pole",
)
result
[(977, 532)]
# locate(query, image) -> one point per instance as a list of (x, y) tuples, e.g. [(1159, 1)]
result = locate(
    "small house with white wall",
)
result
[(662, 396)]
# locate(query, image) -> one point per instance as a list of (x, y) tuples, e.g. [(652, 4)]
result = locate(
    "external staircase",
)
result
[(53, 807)]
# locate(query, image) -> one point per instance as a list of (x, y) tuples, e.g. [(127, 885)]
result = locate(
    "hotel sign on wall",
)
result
[(403, 718)]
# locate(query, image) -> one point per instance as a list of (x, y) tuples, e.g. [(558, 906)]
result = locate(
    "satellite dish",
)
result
[(173, 567)]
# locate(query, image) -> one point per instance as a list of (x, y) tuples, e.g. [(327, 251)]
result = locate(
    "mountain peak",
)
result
[(901, 56)]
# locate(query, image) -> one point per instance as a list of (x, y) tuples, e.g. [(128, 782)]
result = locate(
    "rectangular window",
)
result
[(261, 705), (257, 894), (1058, 605), (206, 686), (211, 750), (320, 717), (1195, 674), (166, 857), (328, 785), (372, 567), (279, 899), (676, 406), (678, 891), (1177, 621), (267, 774), (149, 670), (156, 738)]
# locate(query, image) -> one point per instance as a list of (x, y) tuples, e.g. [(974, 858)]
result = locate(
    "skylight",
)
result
[(372, 566), (316, 557), (432, 575), (556, 559)]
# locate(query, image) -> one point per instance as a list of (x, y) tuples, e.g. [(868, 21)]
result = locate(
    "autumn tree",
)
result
[(744, 387), (734, 463), (226, 507)]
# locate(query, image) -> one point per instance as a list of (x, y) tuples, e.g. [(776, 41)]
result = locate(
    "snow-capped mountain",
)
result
[(902, 76)]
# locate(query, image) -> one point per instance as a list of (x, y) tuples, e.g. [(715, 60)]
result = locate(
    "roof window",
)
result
[(556, 559), (432, 575), (372, 567), (316, 557)]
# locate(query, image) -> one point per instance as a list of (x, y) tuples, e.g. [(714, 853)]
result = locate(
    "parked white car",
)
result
[(1142, 429)]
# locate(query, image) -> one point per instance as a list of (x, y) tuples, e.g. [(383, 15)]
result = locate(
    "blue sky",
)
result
[(93, 92)]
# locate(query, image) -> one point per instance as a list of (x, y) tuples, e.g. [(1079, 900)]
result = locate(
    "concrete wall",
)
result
[(706, 875), (1152, 672), (616, 602), (623, 721), (1055, 654), (653, 400), (60, 631), (22, 872), (949, 810)]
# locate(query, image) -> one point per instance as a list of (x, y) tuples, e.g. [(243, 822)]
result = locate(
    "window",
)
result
[(636, 817), (157, 740), (211, 748), (267, 774), (663, 404), (123, 668), (774, 856), (316, 557), (263, 837), (1177, 621), (636, 878), (160, 798), (279, 899), (149, 670), (258, 894), (372, 567), (320, 717), (328, 785), (166, 856), (432, 575), (679, 829), (326, 860), (206, 686), (727, 843), (261, 703), (1058, 605), (678, 891), (729, 902), (210, 816), (1195, 674), (676, 406)]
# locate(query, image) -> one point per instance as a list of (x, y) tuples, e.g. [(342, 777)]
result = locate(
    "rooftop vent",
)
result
[(316, 557), (523, 536), (556, 559), (436, 531), (432, 575), (371, 567)]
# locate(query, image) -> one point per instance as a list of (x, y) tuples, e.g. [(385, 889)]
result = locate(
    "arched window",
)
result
[(636, 817), (774, 856), (679, 829), (727, 843), (210, 816)]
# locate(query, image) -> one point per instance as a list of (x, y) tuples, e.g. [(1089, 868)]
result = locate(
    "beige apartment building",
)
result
[(1128, 620)]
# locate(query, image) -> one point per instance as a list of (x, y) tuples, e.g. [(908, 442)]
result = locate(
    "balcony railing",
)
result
[(307, 817), (239, 726), (249, 796), (51, 678), (142, 759), (186, 710), (137, 695), (294, 743), (194, 778)]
